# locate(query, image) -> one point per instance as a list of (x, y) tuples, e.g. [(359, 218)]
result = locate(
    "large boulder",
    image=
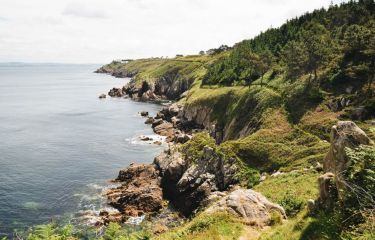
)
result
[(139, 193), (252, 206), (345, 134)]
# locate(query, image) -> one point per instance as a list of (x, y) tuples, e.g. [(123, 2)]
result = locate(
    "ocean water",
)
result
[(60, 144)]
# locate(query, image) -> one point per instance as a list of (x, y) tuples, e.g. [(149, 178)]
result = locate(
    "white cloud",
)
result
[(79, 9), (102, 30)]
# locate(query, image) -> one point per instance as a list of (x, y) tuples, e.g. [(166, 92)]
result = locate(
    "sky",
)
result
[(98, 31)]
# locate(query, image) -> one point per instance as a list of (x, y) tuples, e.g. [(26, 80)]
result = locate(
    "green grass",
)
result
[(193, 149), (185, 68), (278, 145), (290, 190), (304, 227), (219, 226)]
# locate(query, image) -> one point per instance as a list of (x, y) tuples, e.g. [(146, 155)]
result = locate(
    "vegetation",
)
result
[(322, 40), (193, 149), (357, 207), (299, 187), (275, 98), (216, 227)]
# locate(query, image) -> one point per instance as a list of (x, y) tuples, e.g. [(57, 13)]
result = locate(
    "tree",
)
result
[(359, 58), (318, 44), (247, 65), (294, 55), (265, 62)]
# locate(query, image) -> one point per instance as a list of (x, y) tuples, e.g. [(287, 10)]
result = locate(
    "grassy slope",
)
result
[(289, 125), (188, 67), (202, 227), (284, 125)]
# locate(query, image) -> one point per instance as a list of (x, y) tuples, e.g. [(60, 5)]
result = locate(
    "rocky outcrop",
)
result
[(252, 206), (171, 123), (116, 92), (332, 184), (102, 70), (143, 93), (171, 85), (345, 134), (163, 88), (198, 114), (139, 193), (188, 182), (116, 72)]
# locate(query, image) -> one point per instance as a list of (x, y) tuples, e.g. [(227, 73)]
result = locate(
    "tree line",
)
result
[(338, 41)]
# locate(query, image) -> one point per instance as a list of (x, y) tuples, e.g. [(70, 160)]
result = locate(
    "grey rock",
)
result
[(157, 122), (150, 120), (345, 134), (144, 113), (250, 205), (116, 92)]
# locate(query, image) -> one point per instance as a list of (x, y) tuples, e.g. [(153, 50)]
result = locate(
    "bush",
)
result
[(291, 204), (360, 185), (193, 149)]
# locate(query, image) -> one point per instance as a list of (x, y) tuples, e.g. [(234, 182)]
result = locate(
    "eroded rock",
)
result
[(252, 206), (332, 184), (116, 92), (188, 182), (139, 193)]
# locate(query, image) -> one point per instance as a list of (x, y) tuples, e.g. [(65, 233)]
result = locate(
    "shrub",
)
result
[(360, 185), (193, 149), (291, 204)]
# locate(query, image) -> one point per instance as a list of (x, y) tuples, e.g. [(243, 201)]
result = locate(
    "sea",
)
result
[(60, 145)]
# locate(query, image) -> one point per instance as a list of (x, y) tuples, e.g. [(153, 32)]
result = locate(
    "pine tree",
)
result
[(295, 57)]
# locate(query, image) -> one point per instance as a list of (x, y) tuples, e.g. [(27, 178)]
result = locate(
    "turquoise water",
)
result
[(59, 144)]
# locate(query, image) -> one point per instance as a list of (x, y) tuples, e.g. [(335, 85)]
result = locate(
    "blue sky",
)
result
[(97, 31)]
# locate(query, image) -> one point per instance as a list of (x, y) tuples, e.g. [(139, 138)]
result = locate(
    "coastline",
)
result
[(176, 185), (139, 180)]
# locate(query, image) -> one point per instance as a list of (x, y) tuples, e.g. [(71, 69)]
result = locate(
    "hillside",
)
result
[(270, 103), (265, 110)]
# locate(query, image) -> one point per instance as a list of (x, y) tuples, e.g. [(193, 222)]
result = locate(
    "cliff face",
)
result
[(157, 77), (164, 88)]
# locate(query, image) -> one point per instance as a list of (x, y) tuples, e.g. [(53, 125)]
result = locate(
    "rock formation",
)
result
[(139, 192), (332, 184), (252, 206), (186, 183), (345, 134), (116, 92)]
